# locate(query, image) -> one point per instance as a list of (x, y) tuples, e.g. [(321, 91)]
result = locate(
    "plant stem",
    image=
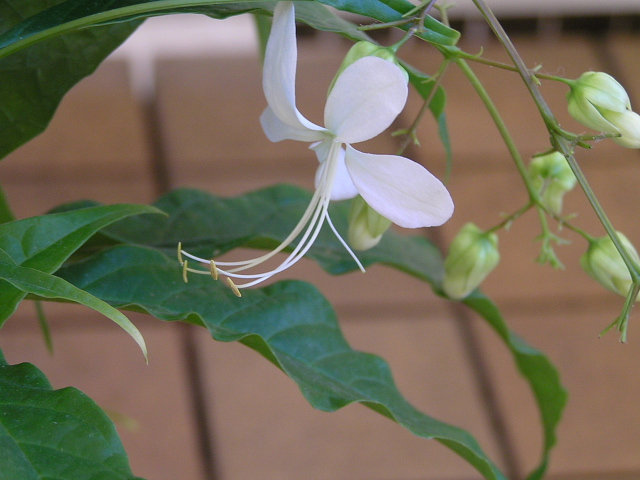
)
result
[(511, 68), (502, 127), (561, 143), (411, 131)]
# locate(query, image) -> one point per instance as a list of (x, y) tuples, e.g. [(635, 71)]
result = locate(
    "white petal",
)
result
[(628, 123), (276, 130), (343, 187), (399, 189), (588, 114), (366, 98), (322, 148), (279, 71)]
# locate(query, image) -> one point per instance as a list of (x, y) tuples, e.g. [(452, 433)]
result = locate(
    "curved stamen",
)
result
[(314, 217)]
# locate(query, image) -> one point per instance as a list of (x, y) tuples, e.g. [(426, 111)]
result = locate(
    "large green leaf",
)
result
[(290, 323), (34, 80), (536, 368), (45, 242), (75, 14), (30, 280), (72, 15), (209, 226), (54, 434)]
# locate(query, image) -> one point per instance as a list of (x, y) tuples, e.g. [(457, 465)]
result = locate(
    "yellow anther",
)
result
[(180, 253), (235, 289), (184, 272), (213, 269)]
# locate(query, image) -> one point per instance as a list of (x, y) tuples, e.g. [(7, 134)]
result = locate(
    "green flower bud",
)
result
[(366, 226), (551, 177), (472, 256), (598, 101), (605, 264), (366, 49)]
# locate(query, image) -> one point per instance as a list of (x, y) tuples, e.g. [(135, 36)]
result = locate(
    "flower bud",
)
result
[(472, 256), (366, 226), (604, 263), (598, 101), (551, 177), (628, 124), (366, 49)]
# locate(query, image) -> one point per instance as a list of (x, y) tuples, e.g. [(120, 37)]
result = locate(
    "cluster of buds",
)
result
[(551, 177), (599, 102), (603, 262), (472, 256)]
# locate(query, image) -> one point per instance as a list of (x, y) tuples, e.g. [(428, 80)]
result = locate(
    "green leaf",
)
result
[(290, 323), (209, 226), (72, 15), (536, 368), (6, 214), (393, 10), (29, 280), (423, 84), (45, 242), (54, 434), (34, 80)]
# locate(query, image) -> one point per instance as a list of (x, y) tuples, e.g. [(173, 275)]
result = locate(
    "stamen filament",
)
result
[(315, 215)]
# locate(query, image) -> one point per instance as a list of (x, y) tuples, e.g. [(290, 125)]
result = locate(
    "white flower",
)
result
[(365, 99)]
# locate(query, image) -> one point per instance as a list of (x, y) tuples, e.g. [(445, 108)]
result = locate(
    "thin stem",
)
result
[(502, 127), (511, 218), (6, 214), (561, 142), (411, 131), (525, 73), (505, 66)]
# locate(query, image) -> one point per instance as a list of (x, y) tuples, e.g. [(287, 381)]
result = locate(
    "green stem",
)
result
[(502, 127), (15, 40), (525, 73), (44, 326), (511, 68), (6, 214), (263, 28), (411, 131), (560, 141), (511, 218)]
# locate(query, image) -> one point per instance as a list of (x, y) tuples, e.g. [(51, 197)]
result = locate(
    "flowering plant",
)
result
[(163, 259)]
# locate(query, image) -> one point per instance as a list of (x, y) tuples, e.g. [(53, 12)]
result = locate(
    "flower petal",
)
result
[(343, 187), (588, 114), (365, 99), (276, 130), (279, 71), (399, 189), (628, 123)]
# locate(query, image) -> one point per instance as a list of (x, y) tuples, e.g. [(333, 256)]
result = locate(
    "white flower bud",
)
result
[(628, 124), (598, 101), (603, 262), (472, 256), (552, 177), (366, 226)]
